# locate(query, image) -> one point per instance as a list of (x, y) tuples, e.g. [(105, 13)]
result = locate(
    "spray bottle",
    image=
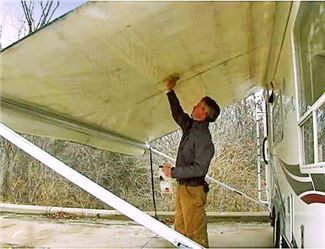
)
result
[(165, 182)]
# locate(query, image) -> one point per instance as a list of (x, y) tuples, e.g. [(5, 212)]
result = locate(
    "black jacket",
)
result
[(195, 150)]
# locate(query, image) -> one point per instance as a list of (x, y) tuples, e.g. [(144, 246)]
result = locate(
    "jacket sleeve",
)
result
[(180, 117), (203, 153)]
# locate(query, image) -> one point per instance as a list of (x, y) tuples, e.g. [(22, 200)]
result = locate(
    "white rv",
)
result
[(295, 131), (95, 76)]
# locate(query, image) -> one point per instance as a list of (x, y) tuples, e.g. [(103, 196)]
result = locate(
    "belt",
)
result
[(204, 184), (189, 183)]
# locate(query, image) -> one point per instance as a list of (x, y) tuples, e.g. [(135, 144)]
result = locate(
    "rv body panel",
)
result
[(297, 196)]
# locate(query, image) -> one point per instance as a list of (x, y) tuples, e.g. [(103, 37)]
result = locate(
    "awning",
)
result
[(95, 76)]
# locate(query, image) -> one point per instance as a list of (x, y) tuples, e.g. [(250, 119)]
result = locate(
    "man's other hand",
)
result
[(171, 81), (167, 169)]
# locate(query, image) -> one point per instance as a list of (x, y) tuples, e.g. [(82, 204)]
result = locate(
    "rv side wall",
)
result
[(298, 197)]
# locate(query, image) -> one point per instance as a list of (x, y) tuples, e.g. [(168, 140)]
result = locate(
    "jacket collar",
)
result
[(200, 124)]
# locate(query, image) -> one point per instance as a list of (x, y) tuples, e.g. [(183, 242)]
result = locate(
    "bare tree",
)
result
[(47, 10)]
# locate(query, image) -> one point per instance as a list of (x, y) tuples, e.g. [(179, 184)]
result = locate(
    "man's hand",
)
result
[(167, 169), (171, 81)]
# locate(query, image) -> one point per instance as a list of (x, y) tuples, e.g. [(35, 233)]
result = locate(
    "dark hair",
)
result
[(213, 109)]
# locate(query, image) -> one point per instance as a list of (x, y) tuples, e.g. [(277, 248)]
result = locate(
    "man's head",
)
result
[(206, 110)]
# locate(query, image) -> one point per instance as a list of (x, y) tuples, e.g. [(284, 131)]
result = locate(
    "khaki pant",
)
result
[(190, 217)]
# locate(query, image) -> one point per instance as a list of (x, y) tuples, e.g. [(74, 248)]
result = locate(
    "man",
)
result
[(192, 163)]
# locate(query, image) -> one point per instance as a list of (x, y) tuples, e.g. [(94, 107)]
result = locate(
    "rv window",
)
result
[(321, 133), (308, 138), (309, 34), (277, 118)]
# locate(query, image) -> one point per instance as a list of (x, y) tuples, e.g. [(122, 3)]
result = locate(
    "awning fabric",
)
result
[(95, 76)]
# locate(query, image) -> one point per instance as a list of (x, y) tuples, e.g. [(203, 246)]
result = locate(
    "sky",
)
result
[(12, 16)]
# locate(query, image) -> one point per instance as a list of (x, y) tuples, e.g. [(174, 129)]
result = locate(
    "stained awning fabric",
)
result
[(95, 75)]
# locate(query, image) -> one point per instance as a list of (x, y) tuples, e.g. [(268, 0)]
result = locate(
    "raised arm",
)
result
[(180, 117)]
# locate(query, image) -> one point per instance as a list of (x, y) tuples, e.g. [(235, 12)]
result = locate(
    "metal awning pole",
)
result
[(210, 179), (94, 189)]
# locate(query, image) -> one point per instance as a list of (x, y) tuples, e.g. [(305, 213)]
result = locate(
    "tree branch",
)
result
[(30, 11), (57, 5), (44, 21), (42, 15)]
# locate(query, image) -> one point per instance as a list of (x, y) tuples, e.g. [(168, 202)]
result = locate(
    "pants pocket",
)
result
[(198, 195)]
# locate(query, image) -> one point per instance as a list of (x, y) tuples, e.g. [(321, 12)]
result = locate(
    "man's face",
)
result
[(200, 111)]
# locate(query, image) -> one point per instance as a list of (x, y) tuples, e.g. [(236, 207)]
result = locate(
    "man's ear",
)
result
[(207, 116)]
